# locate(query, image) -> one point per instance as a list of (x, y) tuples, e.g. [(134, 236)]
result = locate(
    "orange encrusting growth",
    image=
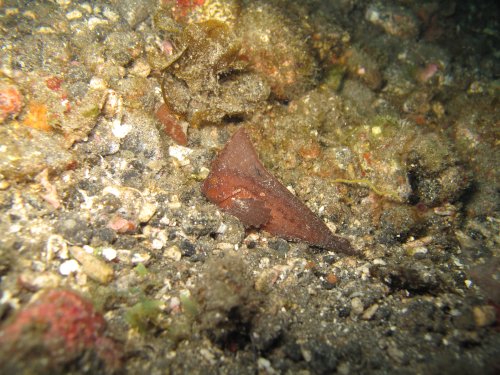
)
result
[(240, 185), (37, 117)]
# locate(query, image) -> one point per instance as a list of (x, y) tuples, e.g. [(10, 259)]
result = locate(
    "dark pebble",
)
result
[(103, 236), (344, 312), (330, 259), (74, 230), (188, 249), (279, 245)]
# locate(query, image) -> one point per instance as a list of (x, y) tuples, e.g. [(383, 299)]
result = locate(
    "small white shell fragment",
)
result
[(120, 130), (68, 267), (140, 258), (180, 153), (56, 244), (157, 244), (222, 228), (109, 253)]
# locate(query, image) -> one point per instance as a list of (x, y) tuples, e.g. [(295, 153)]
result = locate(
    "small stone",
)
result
[(140, 69), (208, 356), (68, 267), (120, 130), (397, 21), (135, 11), (396, 354), (370, 311), (265, 366), (109, 253), (74, 15), (93, 267), (38, 281), (94, 22), (484, 316), (279, 245), (147, 212), (157, 244), (173, 253), (110, 15), (180, 154), (188, 249), (4, 185), (331, 281), (56, 245), (140, 258), (356, 306), (64, 3)]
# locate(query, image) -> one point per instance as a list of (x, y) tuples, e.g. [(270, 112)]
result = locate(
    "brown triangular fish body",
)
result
[(240, 185)]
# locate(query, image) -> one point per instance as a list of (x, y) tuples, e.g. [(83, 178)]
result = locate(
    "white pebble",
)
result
[(97, 83), (180, 153), (140, 258), (68, 267), (222, 228), (109, 253), (120, 130), (157, 244)]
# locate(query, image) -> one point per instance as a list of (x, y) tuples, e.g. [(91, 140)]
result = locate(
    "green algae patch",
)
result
[(142, 314)]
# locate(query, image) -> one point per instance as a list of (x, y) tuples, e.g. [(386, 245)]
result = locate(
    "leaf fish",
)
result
[(239, 184)]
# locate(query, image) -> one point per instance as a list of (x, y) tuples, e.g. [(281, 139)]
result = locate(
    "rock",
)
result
[(395, 20), (93, 267), (356, 306), (135, 11), (370, 312), (26, 152), (277, 49), (484, 316), (71, 328), (173, 253)]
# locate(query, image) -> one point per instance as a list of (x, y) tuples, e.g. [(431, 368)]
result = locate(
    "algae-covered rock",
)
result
[(26, 152), (435, 174), (276, 47), (227, 299), (208, 83)]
